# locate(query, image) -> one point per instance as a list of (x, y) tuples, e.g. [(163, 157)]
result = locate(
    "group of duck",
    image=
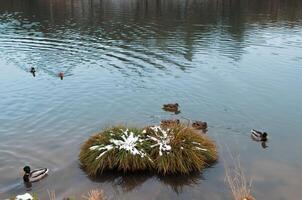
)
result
[(201, 125), (33, 72), (174, 107)]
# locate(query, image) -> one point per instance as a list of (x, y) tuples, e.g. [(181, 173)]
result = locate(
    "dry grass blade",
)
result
[(51, 195), (239, 185), (189, 121), (95, 195)]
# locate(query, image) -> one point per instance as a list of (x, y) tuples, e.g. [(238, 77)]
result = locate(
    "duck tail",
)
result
[(253, 131)]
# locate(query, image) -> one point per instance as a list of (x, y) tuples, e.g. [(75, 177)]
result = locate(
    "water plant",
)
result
[(116, 148), (95, 195), (178, 149), (237, 181)]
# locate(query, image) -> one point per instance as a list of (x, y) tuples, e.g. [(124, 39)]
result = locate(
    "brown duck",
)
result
[(171, 107), (169, 122), (200, 125)]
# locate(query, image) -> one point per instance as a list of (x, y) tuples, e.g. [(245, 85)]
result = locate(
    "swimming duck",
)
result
[(258, 135), (33, 71), (35, 175), (169, 122), (61, 75), (171, 107), (200, 125)]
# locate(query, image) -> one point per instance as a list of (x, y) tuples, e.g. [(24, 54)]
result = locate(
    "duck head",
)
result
[(264, 137), (26, 169), (32, 70), (26, 175)]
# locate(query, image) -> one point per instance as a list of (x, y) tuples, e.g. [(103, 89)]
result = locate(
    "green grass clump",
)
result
[(189, 151), (166, 151), (103, 151)]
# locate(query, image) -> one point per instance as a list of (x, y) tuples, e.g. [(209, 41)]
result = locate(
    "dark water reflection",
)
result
[(129, 182), (234, 63)]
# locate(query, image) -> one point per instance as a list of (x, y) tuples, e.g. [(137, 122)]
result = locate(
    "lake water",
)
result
[(236, 64)]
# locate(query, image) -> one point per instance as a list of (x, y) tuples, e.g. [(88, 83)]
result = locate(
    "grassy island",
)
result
[(175, 150)]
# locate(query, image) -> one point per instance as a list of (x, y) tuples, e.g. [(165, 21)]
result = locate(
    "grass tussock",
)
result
[(178, 149), (116, 148), (238, 183), (185, 151), (95, 195)]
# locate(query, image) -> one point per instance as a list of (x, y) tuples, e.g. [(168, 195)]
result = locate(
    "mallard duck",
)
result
[(258, 135), (61, 75), (200, 125), (171, 107), (33, 71), (169, 122), (35, 175)]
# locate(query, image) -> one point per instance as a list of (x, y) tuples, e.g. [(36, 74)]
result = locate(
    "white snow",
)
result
[(25, 196), (162, 139), (199, 148), (128, 142), (100, 148)]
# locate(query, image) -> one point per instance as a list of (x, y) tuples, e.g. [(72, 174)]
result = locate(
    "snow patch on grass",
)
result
[(128, 141), (162, 139)]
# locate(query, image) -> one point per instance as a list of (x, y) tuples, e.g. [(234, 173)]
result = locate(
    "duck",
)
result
[(200, 125), (35, 175), (171, 107), (61, 75), (258, 135), (169, 122), (33, 71)]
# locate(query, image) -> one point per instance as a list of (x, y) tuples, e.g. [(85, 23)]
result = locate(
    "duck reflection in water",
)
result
[(264, 145), (61, 75), (33, 71), (28, 185), (130, 181)]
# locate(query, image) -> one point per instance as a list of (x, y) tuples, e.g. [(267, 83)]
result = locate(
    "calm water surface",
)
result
[(235, 64)]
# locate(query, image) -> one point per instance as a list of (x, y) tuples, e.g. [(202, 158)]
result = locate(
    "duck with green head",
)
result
[(35, 175), (258, 135)]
